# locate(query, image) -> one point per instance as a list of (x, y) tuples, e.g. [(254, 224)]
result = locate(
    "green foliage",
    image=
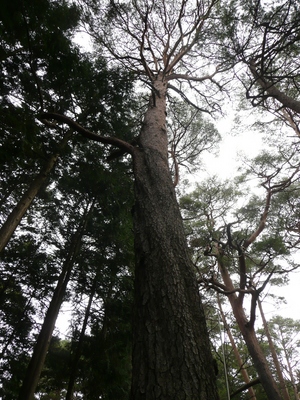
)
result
[(41, 68)]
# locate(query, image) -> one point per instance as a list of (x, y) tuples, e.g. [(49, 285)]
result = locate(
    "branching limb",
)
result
[(245, 387), (262, 222), (242, 272), (273, 91), (254, 298), (86, 133), (184, 97)]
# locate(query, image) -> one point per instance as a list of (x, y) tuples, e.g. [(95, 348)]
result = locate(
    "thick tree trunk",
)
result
[(20, 209), (171, 349), (283, 388), (253, 346), (41, 347)]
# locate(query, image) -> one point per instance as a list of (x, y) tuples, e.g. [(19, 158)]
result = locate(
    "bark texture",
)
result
[(171, 349)]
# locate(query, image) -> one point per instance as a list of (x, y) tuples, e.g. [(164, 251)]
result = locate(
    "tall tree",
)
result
[(158, 41)]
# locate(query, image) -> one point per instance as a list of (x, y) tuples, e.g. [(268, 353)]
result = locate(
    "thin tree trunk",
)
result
[(289, 367), (247, 330), (75, 360), (283, 388), (171, 349), (41, 348), (24, 203), (236, 352)]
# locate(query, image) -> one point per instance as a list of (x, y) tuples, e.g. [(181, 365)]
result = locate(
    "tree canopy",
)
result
[(94, 147)]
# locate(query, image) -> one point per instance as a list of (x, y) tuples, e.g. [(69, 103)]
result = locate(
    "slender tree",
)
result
[(232, 253), (37, 360), (14, 218), (285, 332), (237, 355), (283, 387)]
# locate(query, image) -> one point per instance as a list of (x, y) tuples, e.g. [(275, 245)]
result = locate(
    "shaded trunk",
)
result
[(41, 348), (78, 351), (20, 209), (249, 335), (171, 349), (283, 388), (237, 354)]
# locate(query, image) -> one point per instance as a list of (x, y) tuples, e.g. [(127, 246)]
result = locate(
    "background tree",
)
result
[(285, 333), (250, 263), (265, 38)]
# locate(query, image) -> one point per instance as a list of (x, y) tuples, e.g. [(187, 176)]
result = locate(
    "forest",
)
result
[(128, 269)]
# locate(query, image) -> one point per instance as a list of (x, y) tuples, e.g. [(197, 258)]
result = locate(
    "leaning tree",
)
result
[(166, 45)]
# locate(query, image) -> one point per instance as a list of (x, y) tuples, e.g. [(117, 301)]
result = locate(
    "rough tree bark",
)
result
[(171, 350)]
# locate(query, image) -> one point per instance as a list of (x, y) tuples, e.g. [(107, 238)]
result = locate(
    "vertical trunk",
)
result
[(253, 346), (289, 367), (41, 348), (236, 353), (283, 388), (171, 349), (75, 361), (24, 203)]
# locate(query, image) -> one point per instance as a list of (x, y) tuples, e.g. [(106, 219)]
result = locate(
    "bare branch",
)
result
[(184, 97), (245, 387)]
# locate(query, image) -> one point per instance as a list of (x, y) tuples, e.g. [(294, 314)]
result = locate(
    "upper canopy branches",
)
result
[(158, 37), (266, 37)]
